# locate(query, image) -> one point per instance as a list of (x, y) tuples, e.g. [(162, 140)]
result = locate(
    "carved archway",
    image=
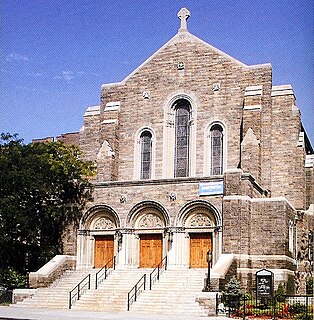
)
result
[(148, 215), (148, 219), (100, 217), (199, 213), (97, 237), (201, 221)]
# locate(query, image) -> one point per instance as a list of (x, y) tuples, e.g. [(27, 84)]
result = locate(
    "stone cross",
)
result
[(183, 15)]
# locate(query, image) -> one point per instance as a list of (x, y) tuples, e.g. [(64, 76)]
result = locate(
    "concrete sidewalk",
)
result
[(49, 314)]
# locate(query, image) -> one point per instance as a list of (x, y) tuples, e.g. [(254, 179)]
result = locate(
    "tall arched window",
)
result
[(146, 154), (182, 138), (216, 143)]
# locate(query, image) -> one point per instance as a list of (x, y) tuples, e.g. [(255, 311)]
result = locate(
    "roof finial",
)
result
[(184, 15)]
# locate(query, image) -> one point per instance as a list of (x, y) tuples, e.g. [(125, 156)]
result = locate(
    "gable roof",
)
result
[(183, 35)]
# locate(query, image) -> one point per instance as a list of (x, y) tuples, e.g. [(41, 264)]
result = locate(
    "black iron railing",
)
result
[(103, 273), (136, 291), (155, 274), (76, 293)]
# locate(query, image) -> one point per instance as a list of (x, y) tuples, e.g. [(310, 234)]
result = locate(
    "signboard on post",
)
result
[(264, 283)]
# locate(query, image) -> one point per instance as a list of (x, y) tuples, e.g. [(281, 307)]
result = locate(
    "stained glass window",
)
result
[(182, 137), (146, 154), (216, 140)]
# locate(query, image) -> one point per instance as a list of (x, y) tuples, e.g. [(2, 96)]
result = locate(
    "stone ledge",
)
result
[(51, 271), (282, 90), (92, 111), (208, 301), (21, 294), (253, 91)]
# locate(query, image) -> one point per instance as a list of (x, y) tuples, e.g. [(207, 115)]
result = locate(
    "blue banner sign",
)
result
[(211, 188)]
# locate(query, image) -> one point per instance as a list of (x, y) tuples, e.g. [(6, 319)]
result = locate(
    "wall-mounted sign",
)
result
[(211, 188), (264, 283)]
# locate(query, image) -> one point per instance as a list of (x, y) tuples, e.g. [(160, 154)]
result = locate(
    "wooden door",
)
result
[(200, 243), (104, 251), (150, 250)]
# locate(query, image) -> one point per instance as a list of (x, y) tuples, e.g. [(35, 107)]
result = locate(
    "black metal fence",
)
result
[(277, 307)]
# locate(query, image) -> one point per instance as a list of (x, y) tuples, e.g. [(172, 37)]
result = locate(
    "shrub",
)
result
[(309, 286), (11, 279), (297, 308), (280, 293), (233, 293)]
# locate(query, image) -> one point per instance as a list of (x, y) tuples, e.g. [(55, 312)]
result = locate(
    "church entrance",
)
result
[(104, 250), (200, 243), (150, 250)]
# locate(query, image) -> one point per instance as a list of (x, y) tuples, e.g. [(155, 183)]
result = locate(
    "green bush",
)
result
[(309, 286), (297, 308), (280, 293), (233, 293), (303, 316), (11, 279)]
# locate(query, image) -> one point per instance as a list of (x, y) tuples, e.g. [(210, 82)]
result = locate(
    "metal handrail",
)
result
[(134, 293), (103, 273), (155, 274), (76, 293)]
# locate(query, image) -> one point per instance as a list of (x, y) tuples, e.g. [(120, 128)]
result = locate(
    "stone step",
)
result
[(111, 295)]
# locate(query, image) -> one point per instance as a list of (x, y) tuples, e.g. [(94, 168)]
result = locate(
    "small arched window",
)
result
[(216, 147), (146, 154), (182, 138)]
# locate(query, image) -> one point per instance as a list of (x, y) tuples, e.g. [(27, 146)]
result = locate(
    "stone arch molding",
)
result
[(181, 94), (101, 217), (148, 215), (199, 213)]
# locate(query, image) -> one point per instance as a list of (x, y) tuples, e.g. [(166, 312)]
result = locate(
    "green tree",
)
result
[(233, 292), (43, 188)]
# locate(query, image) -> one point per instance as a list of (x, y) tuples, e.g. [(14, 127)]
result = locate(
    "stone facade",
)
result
[(263, 182)]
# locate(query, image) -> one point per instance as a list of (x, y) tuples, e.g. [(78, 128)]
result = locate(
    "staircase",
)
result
[(175, 293), (112, 293), (55, 296)]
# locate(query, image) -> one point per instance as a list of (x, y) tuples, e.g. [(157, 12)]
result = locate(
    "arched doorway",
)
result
[(197, 222), (201, 221), (149, 220), (104, 240), (97, 237)]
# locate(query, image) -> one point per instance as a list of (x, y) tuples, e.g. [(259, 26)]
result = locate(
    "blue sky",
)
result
[(55, 54)]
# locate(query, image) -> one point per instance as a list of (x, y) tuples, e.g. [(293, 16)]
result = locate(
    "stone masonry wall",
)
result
[(288, 155), (135, 193), (309, 178), (161, 77)]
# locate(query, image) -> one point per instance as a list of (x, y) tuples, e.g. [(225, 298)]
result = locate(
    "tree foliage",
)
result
[(43, 187), (233, 287)]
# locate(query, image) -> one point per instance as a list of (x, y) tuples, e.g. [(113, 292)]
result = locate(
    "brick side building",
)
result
[(70, 138), (197, 151)]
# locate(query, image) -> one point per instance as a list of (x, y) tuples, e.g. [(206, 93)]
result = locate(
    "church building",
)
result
[(197, 152)]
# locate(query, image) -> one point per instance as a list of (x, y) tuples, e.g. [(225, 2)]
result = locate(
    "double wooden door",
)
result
[(150, 250), (104, 251), (200, 243)]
